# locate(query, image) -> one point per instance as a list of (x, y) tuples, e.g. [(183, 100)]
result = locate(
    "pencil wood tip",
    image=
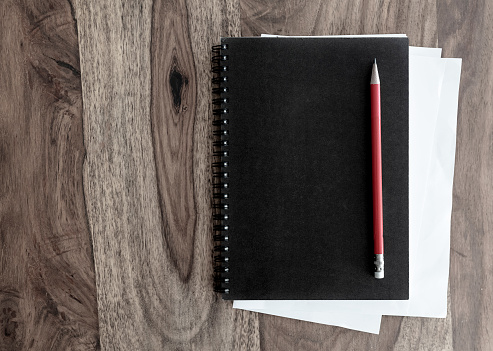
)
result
[(375, 79)]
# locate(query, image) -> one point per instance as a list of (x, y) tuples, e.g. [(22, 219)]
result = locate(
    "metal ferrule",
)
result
[(379, 266)]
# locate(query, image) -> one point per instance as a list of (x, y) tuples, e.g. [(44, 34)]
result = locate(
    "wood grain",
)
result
[(415, 18), (47, 285), (465, 30), (117, 150), (119, 173), (146, 72)]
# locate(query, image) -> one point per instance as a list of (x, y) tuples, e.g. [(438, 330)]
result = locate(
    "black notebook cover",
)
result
[(299, 164)]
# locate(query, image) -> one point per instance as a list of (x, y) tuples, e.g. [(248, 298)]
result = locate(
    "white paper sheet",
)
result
[(368, 323), (439, 189), (427, 52), (353, 320), (371, 323), (430, 258), (334, 36), (429, 298)]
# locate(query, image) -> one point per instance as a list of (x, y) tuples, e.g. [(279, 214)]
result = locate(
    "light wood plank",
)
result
[(119, 173), (146, 78)]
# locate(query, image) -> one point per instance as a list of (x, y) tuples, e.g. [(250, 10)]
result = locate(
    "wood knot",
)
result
[(178, 82), (9, 325), (11, 333)]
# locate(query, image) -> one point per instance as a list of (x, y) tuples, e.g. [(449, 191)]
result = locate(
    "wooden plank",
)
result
[(147, 128), (415, 18), (47, 283), (418, 20), (119, 174), (464, 30)]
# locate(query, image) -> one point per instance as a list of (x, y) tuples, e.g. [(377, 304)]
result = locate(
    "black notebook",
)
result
[(292, 168)]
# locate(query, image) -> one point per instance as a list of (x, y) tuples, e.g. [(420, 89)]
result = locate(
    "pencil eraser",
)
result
[(379, 275)]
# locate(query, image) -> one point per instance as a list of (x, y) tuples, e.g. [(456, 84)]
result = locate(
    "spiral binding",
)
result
[(220, 166)]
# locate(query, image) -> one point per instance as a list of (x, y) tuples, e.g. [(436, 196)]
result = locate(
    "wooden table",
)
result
[(105, 144)]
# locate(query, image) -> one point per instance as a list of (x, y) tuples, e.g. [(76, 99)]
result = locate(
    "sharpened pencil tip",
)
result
[(375, 79), (375, 62)]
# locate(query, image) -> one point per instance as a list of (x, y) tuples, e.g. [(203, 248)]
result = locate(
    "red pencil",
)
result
[(376, 165)]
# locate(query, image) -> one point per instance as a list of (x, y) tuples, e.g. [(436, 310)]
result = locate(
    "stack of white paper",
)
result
[(433, 99)]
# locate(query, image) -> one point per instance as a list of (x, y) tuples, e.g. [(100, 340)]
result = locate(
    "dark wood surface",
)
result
[(105, 144), (47, 285)]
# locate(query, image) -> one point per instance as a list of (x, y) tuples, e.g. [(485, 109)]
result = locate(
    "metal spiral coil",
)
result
[(220, 166)]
